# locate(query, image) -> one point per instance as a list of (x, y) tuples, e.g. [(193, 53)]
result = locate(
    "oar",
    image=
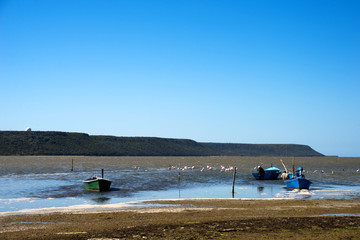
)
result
[(286, 176), (284, 166)]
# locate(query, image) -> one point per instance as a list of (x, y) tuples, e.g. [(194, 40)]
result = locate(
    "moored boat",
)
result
[(97, 184), (298, 182), (271, 173)]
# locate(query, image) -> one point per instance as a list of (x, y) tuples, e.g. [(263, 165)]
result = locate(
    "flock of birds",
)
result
[(207, 168), (229, 169), (332, 171)]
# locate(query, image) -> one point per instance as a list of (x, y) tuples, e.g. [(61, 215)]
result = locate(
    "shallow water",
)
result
[(48, 182)]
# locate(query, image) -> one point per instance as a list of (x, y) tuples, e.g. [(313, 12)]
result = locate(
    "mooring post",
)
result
[(102, 173), (233, 185), (72, 165), (179, 178)]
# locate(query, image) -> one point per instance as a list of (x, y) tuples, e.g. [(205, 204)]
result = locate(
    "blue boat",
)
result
[(271, 173), (299, 181)]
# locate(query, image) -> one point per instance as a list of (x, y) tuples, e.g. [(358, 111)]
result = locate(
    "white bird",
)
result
[(358, 170)]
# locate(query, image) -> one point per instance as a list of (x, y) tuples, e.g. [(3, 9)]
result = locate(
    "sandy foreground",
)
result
[(195, 219)]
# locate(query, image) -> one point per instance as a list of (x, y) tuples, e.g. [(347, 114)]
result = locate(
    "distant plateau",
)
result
[(66, 143)]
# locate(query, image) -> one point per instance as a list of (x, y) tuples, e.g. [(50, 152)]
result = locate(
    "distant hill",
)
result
[(63, 143), (240, 149)]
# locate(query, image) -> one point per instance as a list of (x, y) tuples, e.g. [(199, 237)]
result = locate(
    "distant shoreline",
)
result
[(29, 143)]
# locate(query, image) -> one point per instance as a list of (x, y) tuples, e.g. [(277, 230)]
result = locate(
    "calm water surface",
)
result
[(47, 182)]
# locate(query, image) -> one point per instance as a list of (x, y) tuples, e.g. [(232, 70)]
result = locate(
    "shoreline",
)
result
[(329, 212), (197, 218), (97, 208), (140, 204)]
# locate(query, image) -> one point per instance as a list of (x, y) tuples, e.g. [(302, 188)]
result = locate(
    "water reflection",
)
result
[(101, 199)]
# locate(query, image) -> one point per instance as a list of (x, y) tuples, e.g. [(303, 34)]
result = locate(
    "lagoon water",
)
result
[(46, 183)]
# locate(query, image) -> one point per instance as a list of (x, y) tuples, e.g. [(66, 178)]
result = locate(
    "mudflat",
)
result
[(196, 219)]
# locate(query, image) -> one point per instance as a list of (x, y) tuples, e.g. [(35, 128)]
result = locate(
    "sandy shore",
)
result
[(195, 219)]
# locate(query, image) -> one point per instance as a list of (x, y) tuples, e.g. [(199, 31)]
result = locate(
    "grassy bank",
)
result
[(197, 219)]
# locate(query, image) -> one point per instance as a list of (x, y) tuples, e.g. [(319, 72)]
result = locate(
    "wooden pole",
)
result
[(72, 165), (102, 173), (233, 184), (179, 179)]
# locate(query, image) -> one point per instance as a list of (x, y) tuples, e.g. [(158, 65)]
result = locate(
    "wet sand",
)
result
[(196, 219)]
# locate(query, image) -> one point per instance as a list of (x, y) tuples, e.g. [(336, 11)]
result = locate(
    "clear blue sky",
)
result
[(211, 71)]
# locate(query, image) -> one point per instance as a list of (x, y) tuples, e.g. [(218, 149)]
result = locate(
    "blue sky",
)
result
[(211, 71)]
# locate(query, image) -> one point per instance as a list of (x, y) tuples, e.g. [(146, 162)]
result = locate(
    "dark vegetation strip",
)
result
[(64, 143)]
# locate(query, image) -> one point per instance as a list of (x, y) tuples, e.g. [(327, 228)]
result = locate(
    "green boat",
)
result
[(97, 184)]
